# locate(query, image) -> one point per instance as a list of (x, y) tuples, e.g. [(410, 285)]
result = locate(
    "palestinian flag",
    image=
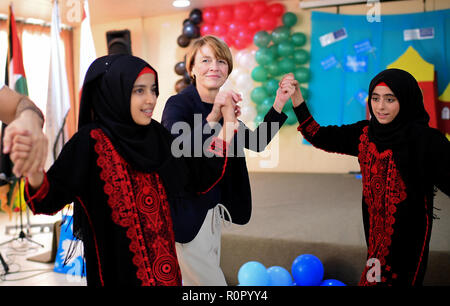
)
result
[(15, 78)]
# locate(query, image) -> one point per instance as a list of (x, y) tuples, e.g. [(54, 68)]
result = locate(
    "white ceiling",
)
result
[(105, 10)]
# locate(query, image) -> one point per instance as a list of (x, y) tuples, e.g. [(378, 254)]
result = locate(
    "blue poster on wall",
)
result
[(342, 68), (69, 257)]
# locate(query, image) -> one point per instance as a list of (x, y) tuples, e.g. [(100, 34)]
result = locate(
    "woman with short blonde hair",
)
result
[(197, 223)]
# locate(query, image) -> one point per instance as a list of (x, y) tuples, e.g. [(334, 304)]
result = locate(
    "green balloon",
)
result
[(271, 87), (280, 34), (259, 119), (301, 56), (265, 105), (262, 39), (289, 19), (292, 118), (302, 74), (274, 50), (264, 56), (286, 65), (258, 94), (259, 74), (273, 69), (299, 39), (305, 93), (287, 106), (285, 48)]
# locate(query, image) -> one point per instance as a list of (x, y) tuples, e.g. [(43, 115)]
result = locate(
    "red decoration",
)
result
[(237, 24)]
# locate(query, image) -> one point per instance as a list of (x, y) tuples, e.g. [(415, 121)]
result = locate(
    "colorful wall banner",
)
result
[(382, 43)]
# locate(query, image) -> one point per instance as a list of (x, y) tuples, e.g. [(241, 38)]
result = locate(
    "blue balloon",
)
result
[(279, 276), (307, 270), (332, 282), (253, 273)]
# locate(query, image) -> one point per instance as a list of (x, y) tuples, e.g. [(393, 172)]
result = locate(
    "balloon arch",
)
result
[(264, 48)]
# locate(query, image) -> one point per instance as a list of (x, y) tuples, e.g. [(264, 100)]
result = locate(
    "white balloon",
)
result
[(235, 73), (244, 81), (248, 113), (228, 85), (247, 60)]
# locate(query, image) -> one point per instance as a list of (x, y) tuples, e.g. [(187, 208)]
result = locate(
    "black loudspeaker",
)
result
[(119, 42)]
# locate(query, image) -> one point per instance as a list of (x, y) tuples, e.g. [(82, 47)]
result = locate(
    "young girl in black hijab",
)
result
[(401, 160), (119, 171)]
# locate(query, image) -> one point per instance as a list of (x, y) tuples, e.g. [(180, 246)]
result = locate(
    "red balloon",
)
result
[(235, 26), (206, 29), (244, 36), (268, 22), (209, 15), (225, 13), (240, 44), (254, 26), (277, 9), (228, 39), (220, 29), (258, 9), (242, 11)]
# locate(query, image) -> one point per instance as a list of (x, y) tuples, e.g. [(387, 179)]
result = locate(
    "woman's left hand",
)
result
[(285, 90)]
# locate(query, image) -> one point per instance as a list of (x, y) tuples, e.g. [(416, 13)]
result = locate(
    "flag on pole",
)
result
[(14, 78), (87, 47), (58, 98)]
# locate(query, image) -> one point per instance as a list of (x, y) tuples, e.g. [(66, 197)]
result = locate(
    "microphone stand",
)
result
[(22, 234)]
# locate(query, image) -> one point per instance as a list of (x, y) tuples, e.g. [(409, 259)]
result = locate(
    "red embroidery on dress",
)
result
[(139, 203), (424, 243), (383, 189), (312, 128)]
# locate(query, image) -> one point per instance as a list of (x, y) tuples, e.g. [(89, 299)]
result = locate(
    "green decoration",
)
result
[(273, 69), (262, 39), (271, 87), (301, 56), (280, 34), (265, 105), (259, 74), (286, 65), (302, 74), (264, 56), (285, 48), (289, 19), (258, 94), (299, 39)]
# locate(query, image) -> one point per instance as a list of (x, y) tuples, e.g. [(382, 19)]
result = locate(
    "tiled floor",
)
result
[(23, 272)]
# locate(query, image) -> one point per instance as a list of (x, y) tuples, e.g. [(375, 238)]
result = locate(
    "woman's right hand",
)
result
[(225, 106), (230, 109), (35, 179), (297, 97)]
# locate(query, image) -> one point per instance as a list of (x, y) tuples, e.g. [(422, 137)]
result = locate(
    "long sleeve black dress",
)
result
[(397, 220), (128, 240)]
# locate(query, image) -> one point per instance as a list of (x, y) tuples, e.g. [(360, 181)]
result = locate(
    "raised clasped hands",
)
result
[(26, 144), (291, 86)]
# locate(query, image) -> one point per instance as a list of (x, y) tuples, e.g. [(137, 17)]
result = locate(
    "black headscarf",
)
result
[(105, 100), (405, 135)]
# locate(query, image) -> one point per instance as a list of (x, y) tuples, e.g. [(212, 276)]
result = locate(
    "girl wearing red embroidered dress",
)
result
[(401, 160), (119, 172)]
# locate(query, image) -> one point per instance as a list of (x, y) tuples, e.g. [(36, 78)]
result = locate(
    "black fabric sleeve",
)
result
[(64, 180), (334, 139), (440, 161), (195, 140), (190, 131)]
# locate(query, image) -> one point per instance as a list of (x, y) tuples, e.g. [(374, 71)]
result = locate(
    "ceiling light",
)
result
[(181, 3)]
